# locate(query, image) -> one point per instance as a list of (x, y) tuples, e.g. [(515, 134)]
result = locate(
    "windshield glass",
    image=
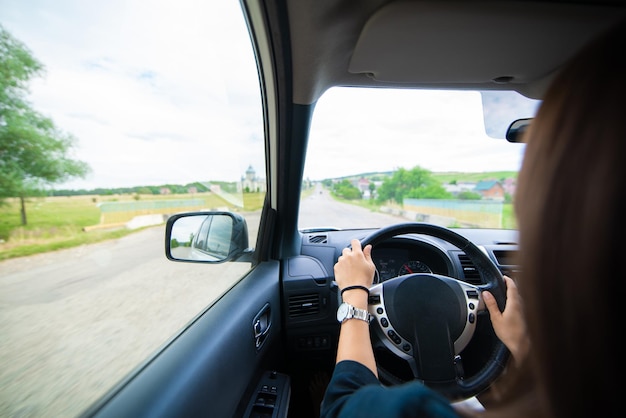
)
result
[(412, 155)]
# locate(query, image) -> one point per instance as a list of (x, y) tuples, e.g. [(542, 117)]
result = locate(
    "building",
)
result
[(490, 189), (363, 185), (457, 188), (510, 184), (251, 183)]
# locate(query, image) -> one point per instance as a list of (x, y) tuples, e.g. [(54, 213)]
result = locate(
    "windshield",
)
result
[(381, 156)]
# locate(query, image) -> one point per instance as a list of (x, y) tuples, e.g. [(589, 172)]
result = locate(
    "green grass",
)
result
[(364, 203), (55, 223), (52, 224), (47, 217), (62, 242), (508, 217), (253, 201)]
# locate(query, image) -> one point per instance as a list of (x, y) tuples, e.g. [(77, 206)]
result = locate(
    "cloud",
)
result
[(158, 92), (406, 129), (121, 75)]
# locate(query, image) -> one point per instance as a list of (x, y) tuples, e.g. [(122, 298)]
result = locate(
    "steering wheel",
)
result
[(436, 325)]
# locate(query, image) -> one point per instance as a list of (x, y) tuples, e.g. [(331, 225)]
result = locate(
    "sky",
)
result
[(159, 92), (121, 75), (441, 131)]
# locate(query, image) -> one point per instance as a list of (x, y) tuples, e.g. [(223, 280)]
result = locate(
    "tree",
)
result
[(33, 151), (416, 183), (347, 190), (371, 187), (469, 196)]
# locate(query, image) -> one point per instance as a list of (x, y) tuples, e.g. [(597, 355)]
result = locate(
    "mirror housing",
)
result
[(207, 237), (515, 131)]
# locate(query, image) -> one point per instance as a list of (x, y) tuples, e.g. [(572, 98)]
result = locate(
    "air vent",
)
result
[(302, 305), (318, 239), (506, 257), (470, 273)]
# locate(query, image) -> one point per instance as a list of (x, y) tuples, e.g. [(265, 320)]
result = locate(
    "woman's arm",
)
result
[(355, 268)]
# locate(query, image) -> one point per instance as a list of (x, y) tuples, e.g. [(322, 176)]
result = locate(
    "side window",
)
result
[(166, 113), (201, 238), (218, 235)]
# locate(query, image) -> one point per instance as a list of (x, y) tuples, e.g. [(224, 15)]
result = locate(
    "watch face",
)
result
[(342, 312)]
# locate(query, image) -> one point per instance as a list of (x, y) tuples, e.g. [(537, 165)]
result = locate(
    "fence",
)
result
[(467, 213), (116, 212)]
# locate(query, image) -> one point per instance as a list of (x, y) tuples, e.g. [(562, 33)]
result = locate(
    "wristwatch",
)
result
[(347, 311)]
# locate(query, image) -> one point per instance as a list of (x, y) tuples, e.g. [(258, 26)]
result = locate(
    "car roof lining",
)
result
[(386, 43)]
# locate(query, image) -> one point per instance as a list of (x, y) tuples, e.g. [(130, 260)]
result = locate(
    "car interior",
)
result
[(267, 346)]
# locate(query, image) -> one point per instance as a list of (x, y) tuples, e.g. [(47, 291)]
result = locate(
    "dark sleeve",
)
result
[(354, 391)]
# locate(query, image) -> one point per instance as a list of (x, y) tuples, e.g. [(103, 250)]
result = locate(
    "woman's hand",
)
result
[(355, 266), (509, 325)]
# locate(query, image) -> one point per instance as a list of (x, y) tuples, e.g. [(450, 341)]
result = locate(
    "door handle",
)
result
[(261, 325)]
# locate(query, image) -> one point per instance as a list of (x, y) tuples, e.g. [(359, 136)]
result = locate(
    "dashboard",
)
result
[(403, 256), (311, 296)]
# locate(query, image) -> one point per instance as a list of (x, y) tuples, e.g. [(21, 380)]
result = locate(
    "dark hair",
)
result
[(570, 205)]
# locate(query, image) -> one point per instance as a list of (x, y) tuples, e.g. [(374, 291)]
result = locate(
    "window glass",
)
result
[(381, 156), (201, 238), (219, 234), (163, 101)]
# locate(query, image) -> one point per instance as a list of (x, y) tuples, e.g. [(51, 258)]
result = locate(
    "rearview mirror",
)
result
[(207, 237), (516, 130)]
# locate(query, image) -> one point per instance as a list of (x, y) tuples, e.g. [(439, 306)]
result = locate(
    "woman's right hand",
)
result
[(509, 325), (355, 266)]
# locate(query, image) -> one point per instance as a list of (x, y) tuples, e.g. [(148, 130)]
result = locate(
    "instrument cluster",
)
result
[(405, 257)]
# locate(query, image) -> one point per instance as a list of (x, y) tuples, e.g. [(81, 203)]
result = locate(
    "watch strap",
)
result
[(352, 312), (361, 314)]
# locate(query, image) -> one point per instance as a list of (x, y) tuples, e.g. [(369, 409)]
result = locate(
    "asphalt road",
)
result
[(321, 210), (74, 322)]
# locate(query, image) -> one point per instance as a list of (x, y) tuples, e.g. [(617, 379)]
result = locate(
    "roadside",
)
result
[(61, 222)]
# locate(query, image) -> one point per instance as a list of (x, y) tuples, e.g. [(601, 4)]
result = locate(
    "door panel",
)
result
[(207, 369)]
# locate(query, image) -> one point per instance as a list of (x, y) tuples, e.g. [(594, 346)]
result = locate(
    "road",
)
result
[(74, 322), (321, 210)]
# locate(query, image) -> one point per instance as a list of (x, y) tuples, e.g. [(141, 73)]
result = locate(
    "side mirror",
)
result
[(207, 237), (515, 131)]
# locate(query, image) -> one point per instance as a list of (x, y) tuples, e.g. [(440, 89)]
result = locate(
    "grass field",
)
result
[(61, 222), (55, 223)]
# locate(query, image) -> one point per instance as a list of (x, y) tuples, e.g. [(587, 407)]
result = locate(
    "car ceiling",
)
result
[(438, 44)]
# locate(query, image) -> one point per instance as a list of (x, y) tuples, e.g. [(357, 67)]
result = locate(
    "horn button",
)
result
[(426, 316)]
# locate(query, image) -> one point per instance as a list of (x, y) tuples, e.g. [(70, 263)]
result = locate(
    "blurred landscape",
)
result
[(57, 222), (69, 218)]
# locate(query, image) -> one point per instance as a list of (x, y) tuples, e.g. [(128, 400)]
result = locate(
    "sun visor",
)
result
[(401, 43)]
